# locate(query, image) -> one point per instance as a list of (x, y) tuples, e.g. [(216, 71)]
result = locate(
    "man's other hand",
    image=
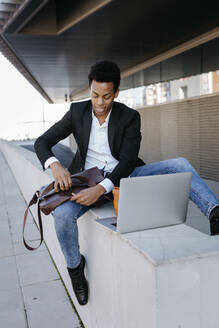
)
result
[(88, 196), (61, 176)]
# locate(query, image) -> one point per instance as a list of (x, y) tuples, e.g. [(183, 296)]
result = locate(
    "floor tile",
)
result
[(8, 273), (19, 247), (4, 227), (3, 214), (13, 319), (31, 233), (16, 226), (6, 251), (35, 268), (48, 316), (44, 292), (16, 213), (11, 300), (6, 245)]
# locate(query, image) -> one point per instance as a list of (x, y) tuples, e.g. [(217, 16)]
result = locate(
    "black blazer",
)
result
[(123, 134)]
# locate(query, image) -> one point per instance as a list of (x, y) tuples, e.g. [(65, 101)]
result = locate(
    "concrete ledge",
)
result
[(159, 278)]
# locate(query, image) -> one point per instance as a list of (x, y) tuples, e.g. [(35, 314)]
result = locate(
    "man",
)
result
[(108, 135)]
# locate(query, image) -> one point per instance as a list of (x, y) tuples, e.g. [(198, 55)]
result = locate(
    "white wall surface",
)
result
[(122, 283), (158, 278)]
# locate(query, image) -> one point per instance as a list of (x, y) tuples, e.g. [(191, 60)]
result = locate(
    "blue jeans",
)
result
[(67, 214)]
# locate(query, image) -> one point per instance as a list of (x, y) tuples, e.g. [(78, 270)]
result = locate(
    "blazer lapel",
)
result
[(87, 121), (113, 122)]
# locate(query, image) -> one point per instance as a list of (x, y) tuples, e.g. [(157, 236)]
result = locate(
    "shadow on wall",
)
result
[(61, 152)]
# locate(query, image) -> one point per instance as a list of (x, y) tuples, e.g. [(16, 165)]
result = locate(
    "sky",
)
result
[(20, 103), (22, 108)]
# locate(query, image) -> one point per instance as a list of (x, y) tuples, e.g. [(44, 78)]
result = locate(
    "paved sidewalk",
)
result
[(31, 292)]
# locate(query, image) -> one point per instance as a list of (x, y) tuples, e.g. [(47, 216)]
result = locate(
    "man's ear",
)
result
[(116, 93)]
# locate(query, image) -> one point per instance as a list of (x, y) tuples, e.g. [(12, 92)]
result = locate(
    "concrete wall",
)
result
[(122, 282), (157, 278), (187, 128)]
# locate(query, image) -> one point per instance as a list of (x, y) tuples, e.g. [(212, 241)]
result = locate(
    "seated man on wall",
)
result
[(108, 135)]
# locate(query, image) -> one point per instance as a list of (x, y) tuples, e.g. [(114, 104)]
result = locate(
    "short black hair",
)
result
[(105, 71)]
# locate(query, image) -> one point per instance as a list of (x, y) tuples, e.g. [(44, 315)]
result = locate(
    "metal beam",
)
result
[(73, 17), (197, 41), (30, 16), (8, 8)]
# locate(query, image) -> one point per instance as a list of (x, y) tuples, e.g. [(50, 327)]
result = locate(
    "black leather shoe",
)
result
[(79, 282), (214, 221)]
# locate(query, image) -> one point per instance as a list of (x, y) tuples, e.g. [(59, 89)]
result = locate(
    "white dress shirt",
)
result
[(98, 153)]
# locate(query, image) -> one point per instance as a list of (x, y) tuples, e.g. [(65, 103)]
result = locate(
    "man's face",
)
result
[(102, 96)]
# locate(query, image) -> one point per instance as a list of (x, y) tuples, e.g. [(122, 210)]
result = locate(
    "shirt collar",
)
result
[(107, 118)]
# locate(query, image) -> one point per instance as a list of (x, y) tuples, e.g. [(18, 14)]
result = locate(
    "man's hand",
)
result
[(88, 196), (61, 176)]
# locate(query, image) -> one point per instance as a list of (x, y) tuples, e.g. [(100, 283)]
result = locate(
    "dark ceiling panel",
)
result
[(128, 32), (211, 56), (183, 65), (152, 74)]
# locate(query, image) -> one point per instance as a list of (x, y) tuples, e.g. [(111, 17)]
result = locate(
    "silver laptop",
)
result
[(153, 201)]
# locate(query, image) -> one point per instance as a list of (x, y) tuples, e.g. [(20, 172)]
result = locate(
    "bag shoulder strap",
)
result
[(33, 201)]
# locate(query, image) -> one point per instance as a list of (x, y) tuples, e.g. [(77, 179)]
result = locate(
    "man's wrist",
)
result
[(100, 189), (49, 161), (107, 184), (55, 164)]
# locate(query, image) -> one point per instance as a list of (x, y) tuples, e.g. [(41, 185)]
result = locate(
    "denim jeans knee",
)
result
[(179, 163)]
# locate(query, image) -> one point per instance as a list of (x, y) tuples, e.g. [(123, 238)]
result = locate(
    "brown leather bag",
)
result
[(48, 199)]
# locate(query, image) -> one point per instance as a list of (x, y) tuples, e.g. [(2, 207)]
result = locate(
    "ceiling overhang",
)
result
[(53, 43), (11, 56)]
